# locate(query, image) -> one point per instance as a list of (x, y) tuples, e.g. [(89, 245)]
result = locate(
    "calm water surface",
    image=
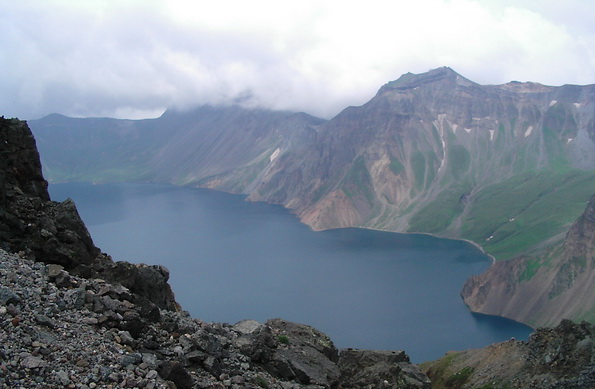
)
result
[(232, 260)]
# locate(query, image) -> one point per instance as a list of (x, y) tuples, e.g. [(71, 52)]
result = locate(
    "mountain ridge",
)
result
[(508, 167)]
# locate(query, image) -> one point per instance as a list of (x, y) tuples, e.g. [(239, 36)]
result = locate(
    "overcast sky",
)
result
[(134, 59)]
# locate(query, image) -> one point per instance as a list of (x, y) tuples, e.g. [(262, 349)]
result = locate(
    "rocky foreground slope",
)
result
[(58, 330), (552, 358)]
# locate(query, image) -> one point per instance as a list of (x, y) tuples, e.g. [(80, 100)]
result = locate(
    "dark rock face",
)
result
[(30, 222), (303, 354), (150, 282), (381, 369), (298, 352), (20, 166), (53, 232)]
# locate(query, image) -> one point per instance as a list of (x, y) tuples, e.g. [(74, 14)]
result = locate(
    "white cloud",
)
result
[(136, 58)]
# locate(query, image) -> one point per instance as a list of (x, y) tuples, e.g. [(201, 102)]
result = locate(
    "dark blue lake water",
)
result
[(232, 260)]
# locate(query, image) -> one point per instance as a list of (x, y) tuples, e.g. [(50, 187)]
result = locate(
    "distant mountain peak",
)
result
[(410, 80), (526, 87)]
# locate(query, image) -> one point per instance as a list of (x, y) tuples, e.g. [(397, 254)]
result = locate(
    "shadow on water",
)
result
[(501, 327)]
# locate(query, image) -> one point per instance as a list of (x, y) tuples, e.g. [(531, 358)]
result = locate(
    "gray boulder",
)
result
[(380, 369)]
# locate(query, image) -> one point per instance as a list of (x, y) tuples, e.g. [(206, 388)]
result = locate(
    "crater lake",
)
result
[(231, 260)]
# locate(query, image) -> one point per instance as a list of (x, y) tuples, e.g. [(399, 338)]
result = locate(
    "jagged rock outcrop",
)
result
[(62, 330), (305, 354), (542, 290), (381, 369), (29, 221), (53, 232), (299, 352), (553, 358)]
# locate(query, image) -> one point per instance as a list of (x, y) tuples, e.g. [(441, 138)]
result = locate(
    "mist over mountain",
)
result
[(432, 153)]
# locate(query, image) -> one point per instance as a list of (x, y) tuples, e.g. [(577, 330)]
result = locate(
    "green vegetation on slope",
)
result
[(357, 182), (458, 160), (438, 215), (518, 214), (395, 166), (511, 217)]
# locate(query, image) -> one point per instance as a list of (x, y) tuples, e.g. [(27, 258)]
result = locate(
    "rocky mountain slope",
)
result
[(507, 166), (542, 290), (226, 146)]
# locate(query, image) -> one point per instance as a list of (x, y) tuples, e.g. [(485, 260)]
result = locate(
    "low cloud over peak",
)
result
[(135, 59)]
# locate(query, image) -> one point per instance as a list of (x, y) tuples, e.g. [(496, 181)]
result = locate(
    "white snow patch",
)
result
[(569, 140), (553, 102), (440, 126), (578, 105), (275, 154), (492, 134), (468, 130), (454, 127), (528, 131)]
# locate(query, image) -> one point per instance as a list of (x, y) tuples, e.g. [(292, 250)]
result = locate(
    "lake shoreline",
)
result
[(253, 261)]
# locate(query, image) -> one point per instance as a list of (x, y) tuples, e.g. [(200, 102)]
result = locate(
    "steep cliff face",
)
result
[(542, 290), (62, 238), (438, 153), (52, 232)]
